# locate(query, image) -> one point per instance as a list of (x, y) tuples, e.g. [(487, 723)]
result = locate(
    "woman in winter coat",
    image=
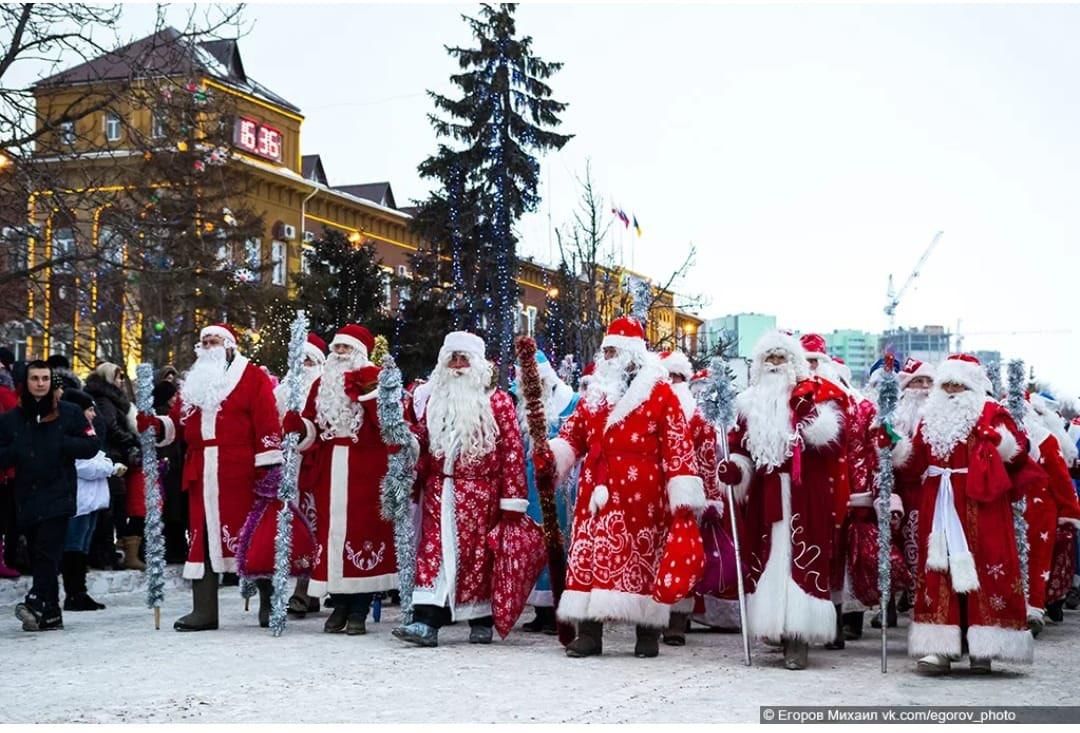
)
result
[(109, 387), (92, 495)]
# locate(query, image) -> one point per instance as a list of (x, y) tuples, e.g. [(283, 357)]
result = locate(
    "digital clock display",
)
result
[(253, 137)]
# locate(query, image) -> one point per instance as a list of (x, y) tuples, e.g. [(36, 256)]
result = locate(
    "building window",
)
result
[(222, 256), (530, 320), (277, 257), (253, 254), (404, 292), (67, 132), (306, 253), (110, 246), (387, 288), (18, 252), (63, 248), (157, 126), (112, 126)]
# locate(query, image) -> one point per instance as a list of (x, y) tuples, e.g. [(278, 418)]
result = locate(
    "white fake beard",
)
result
[(610, 379), (205, 384), (948, 419), (909, 409), (686, 398), (337, 415), (460, 421), (1056, 425), (765, 406)]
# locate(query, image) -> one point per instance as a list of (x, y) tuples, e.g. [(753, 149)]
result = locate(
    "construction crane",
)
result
[(893, 296)]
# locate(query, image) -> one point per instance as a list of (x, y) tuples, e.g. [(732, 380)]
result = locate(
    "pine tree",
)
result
[(504, 116)]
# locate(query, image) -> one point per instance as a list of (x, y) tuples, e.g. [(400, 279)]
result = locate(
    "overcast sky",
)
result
[(808, 151)]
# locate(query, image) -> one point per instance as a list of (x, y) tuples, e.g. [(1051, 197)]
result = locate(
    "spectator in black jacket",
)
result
[(41, 439)]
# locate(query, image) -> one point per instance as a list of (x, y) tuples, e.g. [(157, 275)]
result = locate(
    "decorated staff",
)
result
[(717, 402), (545, 483), (888, 395), (155, 541), (398, 481), (1015, 404)]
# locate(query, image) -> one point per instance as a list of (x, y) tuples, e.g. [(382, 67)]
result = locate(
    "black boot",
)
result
[(853, 625), (838, 638), (589, 641), (796, 654), (265, 588), (648, 642), (337, 620), (675, 633), (73, 569), (204, 598), (544, 621), (1054, 611)]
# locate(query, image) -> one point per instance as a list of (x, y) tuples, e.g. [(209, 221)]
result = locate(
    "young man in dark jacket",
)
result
[(41, 439)]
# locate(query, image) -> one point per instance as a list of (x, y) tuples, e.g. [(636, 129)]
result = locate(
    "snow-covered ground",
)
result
[(111, 666)]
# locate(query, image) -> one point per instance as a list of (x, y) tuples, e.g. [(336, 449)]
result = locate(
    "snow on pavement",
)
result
[(111, 666)]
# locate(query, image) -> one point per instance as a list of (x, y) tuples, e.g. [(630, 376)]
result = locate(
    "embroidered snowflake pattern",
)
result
[(632, 473), (232, 544), (997, 603), (1046, 575), (996, 571), (1044, 536), (635, 438)]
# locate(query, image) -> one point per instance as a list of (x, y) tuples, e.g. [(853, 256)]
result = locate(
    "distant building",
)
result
[(858, 349), (929, 343), (741, 329)]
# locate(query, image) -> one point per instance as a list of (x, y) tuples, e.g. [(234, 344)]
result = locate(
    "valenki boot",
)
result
[(589, 641), (265, 588), (131, 560), (675, 633), (204, 595), (648, 642)]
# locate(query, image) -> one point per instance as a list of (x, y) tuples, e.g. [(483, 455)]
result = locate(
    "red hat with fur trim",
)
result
[(914, 368), (814, 346), (963, 369), (224, 330), (355, 336), (315, 348), (625, 333), (676, 362)]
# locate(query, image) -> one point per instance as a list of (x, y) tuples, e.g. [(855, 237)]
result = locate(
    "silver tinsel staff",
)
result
[(155, 540), (289, 475), (641, 300), (993, 371), (717, 401), (888, 395), (398, 482), (1015, 403)]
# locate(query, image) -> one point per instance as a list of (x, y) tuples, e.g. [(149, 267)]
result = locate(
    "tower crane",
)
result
[(893, 296)]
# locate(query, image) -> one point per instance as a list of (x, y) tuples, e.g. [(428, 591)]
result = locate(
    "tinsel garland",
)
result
[(641, 300), (717, 397), (1015, 404), (567, 369), (153, 534), (290, 476), (993, 372), (888, 396), (396, 487)]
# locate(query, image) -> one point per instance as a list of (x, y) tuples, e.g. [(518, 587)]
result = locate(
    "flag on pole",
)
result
[(637, 227), (621, 216)]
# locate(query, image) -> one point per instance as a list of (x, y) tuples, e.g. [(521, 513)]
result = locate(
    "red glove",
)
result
[(728, 472), (145, 421), (361, 381), (293, 423), (544, 461), (990, 434)]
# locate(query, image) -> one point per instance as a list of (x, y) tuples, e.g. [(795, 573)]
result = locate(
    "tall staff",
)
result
[(1015, 404), (718, 407), (290, 474), (888, 395), (155, 540)]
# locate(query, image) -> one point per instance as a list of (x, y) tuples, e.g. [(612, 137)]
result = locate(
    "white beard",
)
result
[(1056, 425), (909, 409), (610, 380), (686, 398), (460, 421), (336, 415), (765, 406), (205, 385), (947, 419)]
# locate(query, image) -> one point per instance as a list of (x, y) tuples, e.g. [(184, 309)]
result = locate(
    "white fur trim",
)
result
[(194, 570), (372, 584), (347, 340), (565, 458), (962, 570), (315, 353), (268, 458), (168, 429), (338, 504), (716, 504), (641, 388), (686, 491), (612, 605), (678, 363), (780, 341), (937, 554), (308, 438), (926, 639), (1008, 448), (223, 333), (901, 452), (465, 342), (514, 505), (632, 344), (599, 498), (963, 372), (746, 467), (1069, 520), (926, 369), (993, 642), (824, 428)]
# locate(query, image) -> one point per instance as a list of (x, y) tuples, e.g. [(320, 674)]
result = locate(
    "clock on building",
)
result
[(254, 137)]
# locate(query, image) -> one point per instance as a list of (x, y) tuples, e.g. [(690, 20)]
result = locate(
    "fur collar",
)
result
[(648, 376)]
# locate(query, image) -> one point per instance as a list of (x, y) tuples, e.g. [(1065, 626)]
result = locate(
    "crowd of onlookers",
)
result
[(71, 490)]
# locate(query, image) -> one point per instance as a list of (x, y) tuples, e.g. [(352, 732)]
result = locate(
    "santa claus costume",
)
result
[(471, 472), (227, 418), (785, 453), (969, 584), (345, 461), (638, 469), (703, 436), (559, 403)]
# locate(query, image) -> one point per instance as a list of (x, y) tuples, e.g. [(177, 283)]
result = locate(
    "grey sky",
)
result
[(808, 151)]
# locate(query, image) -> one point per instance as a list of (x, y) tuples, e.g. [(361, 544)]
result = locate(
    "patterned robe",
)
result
[(459, 505)]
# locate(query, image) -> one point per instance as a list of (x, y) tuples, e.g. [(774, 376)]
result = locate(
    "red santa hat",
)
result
[(963, 369), (355, 336), (813, 346), (677, 363), (224, 331), (700, 375), (465, 342), (315, 348), (774, 342), (625, 333), (914, 368)]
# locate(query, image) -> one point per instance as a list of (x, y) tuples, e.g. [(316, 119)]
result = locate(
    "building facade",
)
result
[(737, 333), (929, 343), (858, 349)]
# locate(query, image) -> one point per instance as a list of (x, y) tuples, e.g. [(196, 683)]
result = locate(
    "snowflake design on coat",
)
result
[(996, 571), (997, 602), (232, 544)]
